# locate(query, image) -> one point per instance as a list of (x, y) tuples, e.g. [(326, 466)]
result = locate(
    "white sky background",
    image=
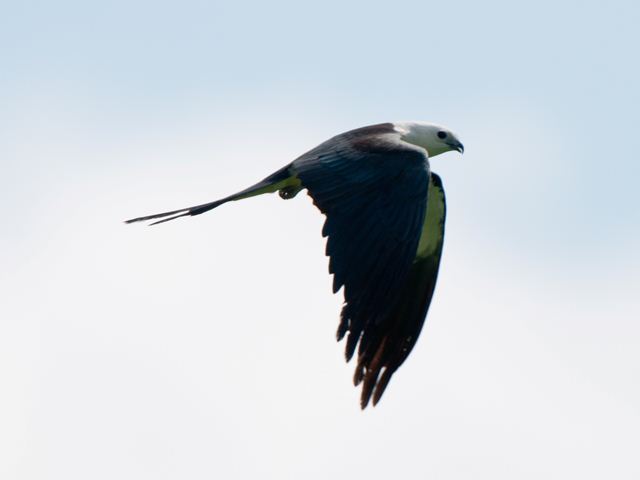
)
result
[(205, 348)]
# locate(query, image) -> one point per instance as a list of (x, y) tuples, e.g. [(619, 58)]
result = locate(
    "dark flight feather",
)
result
[(386, 345), (373, 190)]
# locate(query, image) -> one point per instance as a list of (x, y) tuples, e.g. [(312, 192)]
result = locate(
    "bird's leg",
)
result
[(290, 191)]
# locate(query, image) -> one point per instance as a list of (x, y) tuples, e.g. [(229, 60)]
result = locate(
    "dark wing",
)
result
[(386, 345), (373, 189)]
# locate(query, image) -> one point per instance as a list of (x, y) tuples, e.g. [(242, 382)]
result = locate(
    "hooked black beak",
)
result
[(456, 146)]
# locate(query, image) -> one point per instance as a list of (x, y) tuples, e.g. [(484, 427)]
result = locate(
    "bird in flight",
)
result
[(385, 214)]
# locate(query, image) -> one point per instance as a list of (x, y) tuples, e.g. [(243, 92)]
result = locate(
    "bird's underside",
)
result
[(385, 214)]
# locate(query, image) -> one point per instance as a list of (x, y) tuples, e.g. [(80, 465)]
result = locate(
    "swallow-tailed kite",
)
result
[(385, 214)]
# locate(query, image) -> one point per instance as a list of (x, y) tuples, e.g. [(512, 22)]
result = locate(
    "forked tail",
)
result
[(196, 210), (283, 178)]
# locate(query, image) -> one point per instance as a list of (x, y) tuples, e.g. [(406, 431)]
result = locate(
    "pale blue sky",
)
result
[(204, 348)]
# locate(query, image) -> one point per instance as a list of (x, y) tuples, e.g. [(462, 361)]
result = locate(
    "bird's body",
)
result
[(385, 214)]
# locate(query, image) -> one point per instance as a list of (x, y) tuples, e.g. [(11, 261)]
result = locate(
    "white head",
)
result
[(435, 139)]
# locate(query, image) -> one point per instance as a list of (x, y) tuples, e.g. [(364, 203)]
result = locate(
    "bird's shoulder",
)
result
[(382, 141)]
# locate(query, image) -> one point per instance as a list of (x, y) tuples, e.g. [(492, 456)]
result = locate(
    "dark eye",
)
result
[(442, 134)]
